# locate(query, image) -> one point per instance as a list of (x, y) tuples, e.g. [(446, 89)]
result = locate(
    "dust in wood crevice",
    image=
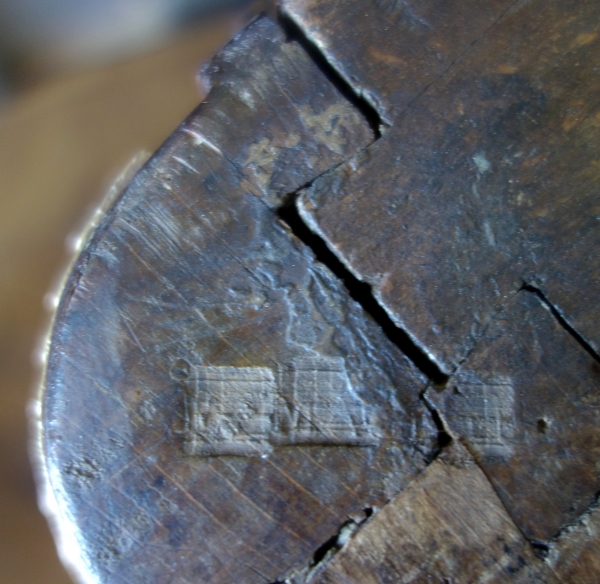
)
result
[(362, 293), (295, 33), (359, 291), (562, 321), (578, 523), (325, 552), (444, 438), (339, 539)]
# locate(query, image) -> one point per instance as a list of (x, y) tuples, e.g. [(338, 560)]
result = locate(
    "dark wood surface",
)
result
[(61, 142), (343, 326)]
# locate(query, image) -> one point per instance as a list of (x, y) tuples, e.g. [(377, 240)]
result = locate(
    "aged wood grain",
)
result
[(378, 233), (447, 526), (61, 139), (487, 179), (486, 183), (392, 50), (526, 404), (576, 555), (192, 284)]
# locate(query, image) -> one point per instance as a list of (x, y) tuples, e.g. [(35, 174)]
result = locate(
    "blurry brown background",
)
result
[(70, 119)]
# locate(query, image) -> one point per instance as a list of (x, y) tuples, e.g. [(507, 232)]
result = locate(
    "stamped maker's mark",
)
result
[(246, 411), (483, 414)]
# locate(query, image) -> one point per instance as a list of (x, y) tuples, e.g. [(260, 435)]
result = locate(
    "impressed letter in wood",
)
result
[(343, 326)]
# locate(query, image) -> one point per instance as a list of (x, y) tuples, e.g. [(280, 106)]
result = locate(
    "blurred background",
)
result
[(84, 85)]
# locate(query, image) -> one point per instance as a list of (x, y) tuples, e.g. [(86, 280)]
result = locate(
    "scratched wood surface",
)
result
[(60, 143), (343, 326)]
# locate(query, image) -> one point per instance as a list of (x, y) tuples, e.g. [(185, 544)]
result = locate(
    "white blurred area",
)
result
[(39, 38)]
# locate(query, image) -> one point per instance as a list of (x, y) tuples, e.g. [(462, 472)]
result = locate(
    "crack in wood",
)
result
[(294, 32), (359, 291), (326, 551), (562, 321)]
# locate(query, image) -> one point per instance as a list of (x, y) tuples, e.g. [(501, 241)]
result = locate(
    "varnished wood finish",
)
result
[(343, 327)]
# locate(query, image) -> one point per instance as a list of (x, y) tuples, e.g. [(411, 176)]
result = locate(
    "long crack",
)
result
[(564, 323), (294, 32), (361, 292)]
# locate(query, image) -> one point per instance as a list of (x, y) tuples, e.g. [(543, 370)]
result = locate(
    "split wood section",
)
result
[(447, 155), (463, 536)]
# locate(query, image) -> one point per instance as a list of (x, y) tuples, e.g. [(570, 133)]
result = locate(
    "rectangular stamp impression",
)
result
[(246, 411), (484, 415)]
